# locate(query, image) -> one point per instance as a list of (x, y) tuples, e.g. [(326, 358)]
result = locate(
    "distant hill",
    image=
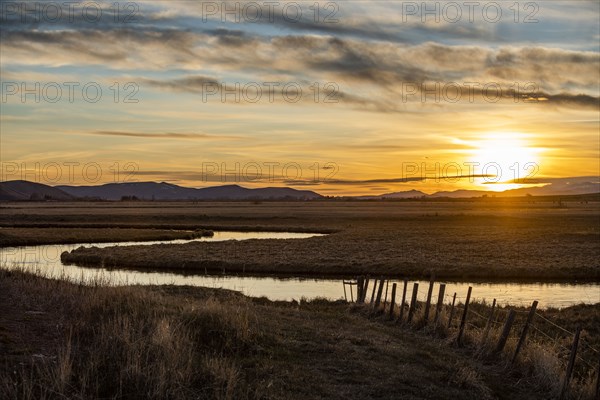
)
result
[(409, 194), (167, 191), (463, 193), (25, 190)]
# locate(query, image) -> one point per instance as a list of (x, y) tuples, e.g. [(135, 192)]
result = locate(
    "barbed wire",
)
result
[(494, 319), (554, 324)]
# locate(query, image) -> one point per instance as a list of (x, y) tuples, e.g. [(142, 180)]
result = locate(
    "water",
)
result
[(45, 260)]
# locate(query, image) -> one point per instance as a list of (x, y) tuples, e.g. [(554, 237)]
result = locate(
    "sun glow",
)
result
[(505, 157)]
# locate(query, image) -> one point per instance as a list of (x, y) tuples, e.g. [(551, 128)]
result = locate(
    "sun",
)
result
[(504, 157)]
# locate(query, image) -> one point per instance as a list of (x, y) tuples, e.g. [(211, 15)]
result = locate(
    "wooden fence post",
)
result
[(506, 331), (359, 288), (364, 292), (373, 292), (393, 301), (451, 310), (440, 303), (413, 302), (387, 284), (428, 302), (525, 328), (598, 380), (403, 301), (488, 325), (571, 364), (379, 292), (463, 320)]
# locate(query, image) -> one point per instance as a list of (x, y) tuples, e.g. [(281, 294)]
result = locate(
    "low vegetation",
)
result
[(61, 339), (28, 236), (496, 240)]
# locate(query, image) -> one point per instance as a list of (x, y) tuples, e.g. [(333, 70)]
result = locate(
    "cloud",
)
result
[(381, 180), (163, 135)]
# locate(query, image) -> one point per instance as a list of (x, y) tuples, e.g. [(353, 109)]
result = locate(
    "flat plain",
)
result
[(66, 340), (488, 239)]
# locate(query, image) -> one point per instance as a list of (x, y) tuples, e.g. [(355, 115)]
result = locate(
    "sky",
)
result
[(343, 97)]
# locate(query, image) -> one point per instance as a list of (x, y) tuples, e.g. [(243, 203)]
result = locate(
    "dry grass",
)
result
[(27, 236), (454, 241), (134, 343), (64, 340), (542, 361)]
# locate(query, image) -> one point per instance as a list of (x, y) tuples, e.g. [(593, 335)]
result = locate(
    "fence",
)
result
[(491, 327)]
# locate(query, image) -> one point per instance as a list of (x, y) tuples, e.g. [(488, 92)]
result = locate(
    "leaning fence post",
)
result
[(413, 302), (364, 292), (344, 285), (359, 288), (387, 284), (506, 331), (373, 292), (440, 303), (525, 328), (403, 300), (463, 320), (565, 385), (598, 380), (488, 325), (451, 311), (428, 302), (379, 292), (393, 301)]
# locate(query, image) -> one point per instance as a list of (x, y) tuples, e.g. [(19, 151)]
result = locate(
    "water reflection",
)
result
[(45, 260)]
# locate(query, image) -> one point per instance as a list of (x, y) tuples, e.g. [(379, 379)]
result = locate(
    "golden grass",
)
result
[(181, 342), (489, 240), (135, 343)]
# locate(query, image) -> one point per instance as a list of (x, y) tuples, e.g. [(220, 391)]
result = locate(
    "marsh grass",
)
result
[(134, 343), (541, 363)]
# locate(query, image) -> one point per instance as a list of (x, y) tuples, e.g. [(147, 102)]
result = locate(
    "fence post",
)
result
[(506, 330), (373, 292), (393, 301), (525, 328), (428, 303), (413, 302), (463, 320), (440, 303), (451, 310), (488, 325), (359, 288), (379, 292), (387, 284), (364, 292), (403, 301), (344, 285), (598, 380), (565, 385)]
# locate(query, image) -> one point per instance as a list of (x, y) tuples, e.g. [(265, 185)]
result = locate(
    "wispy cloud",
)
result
[(164, 135)]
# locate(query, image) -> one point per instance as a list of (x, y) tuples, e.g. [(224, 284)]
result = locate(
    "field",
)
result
[(60, 339), (494, 240), (64, 340)]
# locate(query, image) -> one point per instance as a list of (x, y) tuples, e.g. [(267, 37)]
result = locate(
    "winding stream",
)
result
[(45, 260)]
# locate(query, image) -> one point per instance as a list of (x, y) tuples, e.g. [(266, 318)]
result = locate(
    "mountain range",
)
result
[(25, 190)]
